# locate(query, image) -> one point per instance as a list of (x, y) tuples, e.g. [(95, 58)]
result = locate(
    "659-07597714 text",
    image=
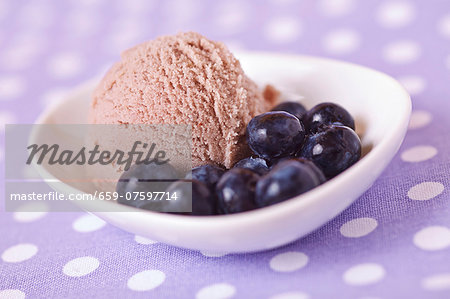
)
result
[(97, 195)]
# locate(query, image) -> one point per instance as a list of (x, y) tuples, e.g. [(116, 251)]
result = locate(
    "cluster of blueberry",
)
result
[(295, 151)]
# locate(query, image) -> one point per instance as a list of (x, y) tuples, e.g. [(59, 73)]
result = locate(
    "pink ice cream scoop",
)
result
[(183, 79)]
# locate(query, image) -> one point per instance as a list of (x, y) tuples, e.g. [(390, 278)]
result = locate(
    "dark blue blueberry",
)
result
[(294, 108), (316, 170), (333, 150), (275, 134), (236, 191), (319, 174), (144, 178), (324, 114), (208, 174), (187, 192), (275, 161), (287, 179), (257, 165)]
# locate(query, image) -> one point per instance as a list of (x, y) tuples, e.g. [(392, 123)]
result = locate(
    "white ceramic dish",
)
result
[(380, 106)]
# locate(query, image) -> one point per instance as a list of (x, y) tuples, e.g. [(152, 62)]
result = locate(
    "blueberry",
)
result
[(333, 150), (188, 192), (207, 174), (325, 114), (275, 134), (236, 191), (316, 170), (277, 160), (287, 179), (294, 108), (144, 178), (257, 165)]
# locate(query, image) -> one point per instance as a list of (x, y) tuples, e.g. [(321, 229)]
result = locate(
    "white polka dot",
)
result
[(65, 65), (28, 216), (81, 266), (19, 253), (146, 280), (341, 41), (291, 295), (144, 241), (6, 117), (419, 119), (11, 87), (364, 274), (395, 14), (432, 238), (88, 223), (288, 261), (413, 84), (213, 254), (282, 30), (216, 291), (444, 26), (419, 153), (336, 8), (358, 227), (30, 212), (425, 190), (401, 52), (437, 282), (12, 294), (54, 96)]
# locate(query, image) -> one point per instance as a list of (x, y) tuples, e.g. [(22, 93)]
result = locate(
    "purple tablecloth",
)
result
[(393, 242)]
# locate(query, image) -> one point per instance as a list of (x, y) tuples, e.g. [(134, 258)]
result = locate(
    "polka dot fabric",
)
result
[(393, 242)]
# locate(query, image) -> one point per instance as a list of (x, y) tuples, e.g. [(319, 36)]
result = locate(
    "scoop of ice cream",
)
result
[(183, 79)]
